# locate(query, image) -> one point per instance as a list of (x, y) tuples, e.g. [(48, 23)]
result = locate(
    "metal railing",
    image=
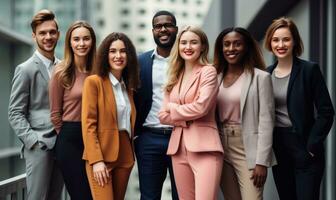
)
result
[(15, 189)]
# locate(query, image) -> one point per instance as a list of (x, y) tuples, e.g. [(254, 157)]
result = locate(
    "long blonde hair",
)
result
[(176, 62), (65, 71)]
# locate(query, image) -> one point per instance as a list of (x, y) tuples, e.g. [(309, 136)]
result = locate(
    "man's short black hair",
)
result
[(164, 12)]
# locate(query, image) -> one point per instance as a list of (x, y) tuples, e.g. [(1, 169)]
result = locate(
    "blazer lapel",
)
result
[(191, 81), (110, 97), (41, 67), (293, 74), (133, 111), (244, 91)]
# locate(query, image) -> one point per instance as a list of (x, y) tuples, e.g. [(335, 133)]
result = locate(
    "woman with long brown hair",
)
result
[(108, 118), (65, 96)]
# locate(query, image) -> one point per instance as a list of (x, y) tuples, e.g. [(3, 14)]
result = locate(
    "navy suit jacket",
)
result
[(143, 96), (309, 105)]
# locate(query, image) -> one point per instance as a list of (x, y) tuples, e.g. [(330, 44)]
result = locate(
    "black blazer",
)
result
[(309, 105), (143, 95)]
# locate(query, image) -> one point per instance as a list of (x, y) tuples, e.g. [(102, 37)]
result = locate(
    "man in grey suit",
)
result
[(29, 113)]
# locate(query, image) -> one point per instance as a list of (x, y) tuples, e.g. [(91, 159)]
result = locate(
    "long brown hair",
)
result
[(253, 56), (66, 69), (130, 74), (176, 62)]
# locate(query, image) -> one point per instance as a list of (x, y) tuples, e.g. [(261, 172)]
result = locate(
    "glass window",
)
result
[(125, 25)]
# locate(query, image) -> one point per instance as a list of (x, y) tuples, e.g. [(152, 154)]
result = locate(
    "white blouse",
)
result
[(123, 104)]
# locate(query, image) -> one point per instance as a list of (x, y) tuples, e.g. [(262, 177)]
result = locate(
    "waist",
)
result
[(284, 129), (232, 129), (69, 124), (161, 131)]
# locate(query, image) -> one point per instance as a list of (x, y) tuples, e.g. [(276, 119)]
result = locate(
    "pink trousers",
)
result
[(197, 174)]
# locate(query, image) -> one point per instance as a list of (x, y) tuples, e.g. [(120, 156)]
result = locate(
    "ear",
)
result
[(34, 36)]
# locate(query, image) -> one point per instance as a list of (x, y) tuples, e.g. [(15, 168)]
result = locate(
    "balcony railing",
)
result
[(15, 189)]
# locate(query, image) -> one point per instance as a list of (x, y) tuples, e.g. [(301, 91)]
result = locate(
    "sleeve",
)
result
[(324, 111), (266, 121), (164, 114), (89, 121), (56, 95), (201, 105), (18, 107)]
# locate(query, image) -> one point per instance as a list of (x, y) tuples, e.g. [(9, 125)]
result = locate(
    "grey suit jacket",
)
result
[(28, 112), (257, 118)]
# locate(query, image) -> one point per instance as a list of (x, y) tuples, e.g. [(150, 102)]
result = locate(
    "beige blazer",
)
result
[(257, 118), (192, 112)]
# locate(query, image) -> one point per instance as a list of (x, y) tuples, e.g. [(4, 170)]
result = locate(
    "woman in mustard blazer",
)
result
[(108, 116), (189, 105)]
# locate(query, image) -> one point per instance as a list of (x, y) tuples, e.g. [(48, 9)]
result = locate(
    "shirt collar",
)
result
[(155, 55), (46, 61), (115, 81)]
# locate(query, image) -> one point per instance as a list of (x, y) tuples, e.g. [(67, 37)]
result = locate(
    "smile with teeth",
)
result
[(188, 53), (231, 55), (281, 51), (118, 62)]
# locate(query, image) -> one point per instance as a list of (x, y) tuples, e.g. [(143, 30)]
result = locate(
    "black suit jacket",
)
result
[(143, 96), (308, 102)]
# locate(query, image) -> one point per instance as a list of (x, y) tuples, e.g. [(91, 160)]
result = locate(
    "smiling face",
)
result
[(46, 36), (282, 43), (190, 46), (233, 48), (81, 41), (164, 31), (117, 57)]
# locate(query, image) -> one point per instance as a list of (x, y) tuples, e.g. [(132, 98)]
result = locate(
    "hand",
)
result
[(100, 173), (259, 175)]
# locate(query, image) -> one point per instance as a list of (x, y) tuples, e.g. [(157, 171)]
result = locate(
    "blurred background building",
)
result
[(315, 20)]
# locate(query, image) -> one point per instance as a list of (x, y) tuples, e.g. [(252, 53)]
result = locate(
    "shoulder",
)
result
[(261, 73), (208, 69), (145, 55), (93, 79), (307, 65)]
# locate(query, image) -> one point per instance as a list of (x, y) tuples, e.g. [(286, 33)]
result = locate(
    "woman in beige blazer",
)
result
[(108, 116), (189, 105), (246, 112)]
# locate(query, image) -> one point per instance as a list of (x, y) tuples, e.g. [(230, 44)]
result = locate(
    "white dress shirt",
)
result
[(123, 104), (159, 78), (49, 64)]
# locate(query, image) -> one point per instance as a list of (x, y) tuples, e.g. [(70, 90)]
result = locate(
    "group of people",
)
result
[(212, 126)]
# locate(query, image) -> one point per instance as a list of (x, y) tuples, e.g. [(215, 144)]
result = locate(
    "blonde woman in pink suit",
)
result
[(189, 105)]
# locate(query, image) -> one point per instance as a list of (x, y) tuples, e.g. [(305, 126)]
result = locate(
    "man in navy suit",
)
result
[(152, 137)]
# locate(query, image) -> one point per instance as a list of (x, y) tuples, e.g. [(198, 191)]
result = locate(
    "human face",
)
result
[(233, 47), (81, 41), (117, 57), (282, 43), (190, 46), (164, 31), (46, 36)]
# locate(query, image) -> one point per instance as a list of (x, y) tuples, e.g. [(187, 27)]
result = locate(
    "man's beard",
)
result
[(167, 45), (46, 50)]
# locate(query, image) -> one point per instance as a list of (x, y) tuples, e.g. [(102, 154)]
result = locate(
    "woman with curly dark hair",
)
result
[(108, 116)]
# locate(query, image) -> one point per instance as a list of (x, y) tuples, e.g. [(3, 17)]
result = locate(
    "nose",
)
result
[(231, 47), (281, 43), (118, 54), (81, 42), (188, 45)]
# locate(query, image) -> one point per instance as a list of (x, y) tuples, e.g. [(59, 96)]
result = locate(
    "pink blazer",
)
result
[(192, 112)]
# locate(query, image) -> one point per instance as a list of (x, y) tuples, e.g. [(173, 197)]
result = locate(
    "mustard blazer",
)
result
[(192, 112), (99, 120)]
